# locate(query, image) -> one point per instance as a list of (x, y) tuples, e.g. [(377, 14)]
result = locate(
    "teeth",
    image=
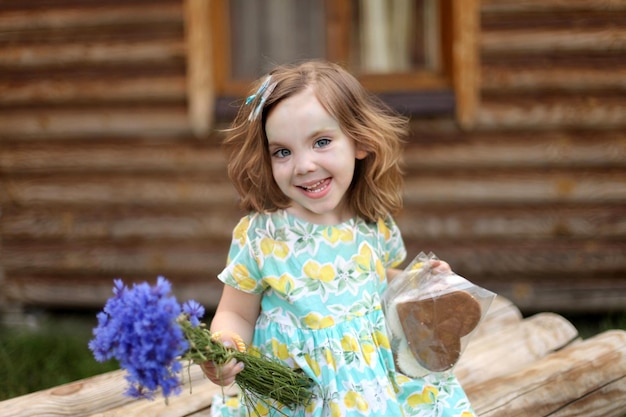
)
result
[(310, 187), (313, 188)]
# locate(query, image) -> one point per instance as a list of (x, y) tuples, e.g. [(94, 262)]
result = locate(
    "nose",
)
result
[(304, 163)]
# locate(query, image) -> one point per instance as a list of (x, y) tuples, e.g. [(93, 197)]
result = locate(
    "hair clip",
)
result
[(264, 91)]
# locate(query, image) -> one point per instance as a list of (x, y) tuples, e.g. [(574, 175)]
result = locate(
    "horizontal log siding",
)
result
[(101, 177)]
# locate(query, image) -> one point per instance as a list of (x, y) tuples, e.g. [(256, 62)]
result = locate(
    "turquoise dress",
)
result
[(321, 312)]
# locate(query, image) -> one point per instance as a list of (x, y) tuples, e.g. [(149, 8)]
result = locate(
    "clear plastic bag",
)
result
[(431, 314)]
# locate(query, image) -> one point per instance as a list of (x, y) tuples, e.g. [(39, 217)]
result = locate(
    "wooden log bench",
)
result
[(514, 366)]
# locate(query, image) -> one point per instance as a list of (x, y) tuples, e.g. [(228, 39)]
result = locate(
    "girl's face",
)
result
[(312, 160)]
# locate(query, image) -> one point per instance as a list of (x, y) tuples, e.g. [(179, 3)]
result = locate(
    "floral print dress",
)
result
[(321, 312)]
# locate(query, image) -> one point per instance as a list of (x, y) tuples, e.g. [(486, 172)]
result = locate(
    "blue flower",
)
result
[(138, 328), (195, 312)]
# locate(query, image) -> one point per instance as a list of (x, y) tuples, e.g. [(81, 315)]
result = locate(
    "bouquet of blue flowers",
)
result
[(148, 332)]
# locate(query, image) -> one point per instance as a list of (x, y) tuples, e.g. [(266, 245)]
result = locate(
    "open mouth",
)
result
[(316, 187)]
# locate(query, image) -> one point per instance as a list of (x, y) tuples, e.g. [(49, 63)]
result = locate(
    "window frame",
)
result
[(452, 91)]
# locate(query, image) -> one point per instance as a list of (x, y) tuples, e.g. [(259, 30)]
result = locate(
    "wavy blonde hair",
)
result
[(376, 188)]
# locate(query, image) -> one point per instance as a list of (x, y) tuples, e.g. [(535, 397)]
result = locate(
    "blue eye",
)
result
[(282, 153), (320, 143)]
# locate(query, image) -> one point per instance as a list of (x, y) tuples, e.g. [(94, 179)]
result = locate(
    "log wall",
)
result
[(102, 177)]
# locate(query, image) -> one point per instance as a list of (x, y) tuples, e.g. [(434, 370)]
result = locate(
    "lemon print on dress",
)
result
[(355, 400), (316, 321), (335, 409), (349, 343), (261, 409), (315, 366), (427, 396), (274, 247), (242, 276), (282, 285), (239, 233), (384, 230), (334, 235), (368, 349), (314, 270), (330, 359), (381, 339), (281, 351), (364, 259)]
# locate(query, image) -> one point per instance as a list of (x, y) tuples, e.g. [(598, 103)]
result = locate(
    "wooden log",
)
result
[(119, 190), (37, 56), (505, 223), (156, 89), (551, 5), (128, 224), (102, 396), (86, 291), (516, 150), (89, 16), (513, 347), (565, 112), (523, 188), (183, 257), (134, 156), (524, 79), (587, 378), (553, 41), (501, 314), (142, 121)]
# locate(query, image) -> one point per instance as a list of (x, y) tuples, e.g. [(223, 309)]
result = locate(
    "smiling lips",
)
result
[(317, 187)]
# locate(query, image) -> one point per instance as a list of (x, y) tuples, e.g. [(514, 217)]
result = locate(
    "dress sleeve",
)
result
[(242, 268), (391, 242)]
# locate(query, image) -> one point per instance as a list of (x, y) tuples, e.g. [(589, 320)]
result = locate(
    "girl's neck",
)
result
[(325, 219)]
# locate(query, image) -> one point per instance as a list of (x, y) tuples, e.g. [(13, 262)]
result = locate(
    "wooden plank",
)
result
[(113, 156), (89, 16), (501, 314), (91, 291), (551, 5), (201, 91), (131, 89), (102, 395), (115, 121), (513, 348), (506, 223), (114, 190), (120, 224), (115, 258), (524, 79), (553, 41), (466, 60), (28, 57), (589, 111), (593, 370), (524, 188), (517, 150)]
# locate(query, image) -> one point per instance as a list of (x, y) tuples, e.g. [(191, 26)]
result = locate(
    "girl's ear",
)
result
[(360, 153)]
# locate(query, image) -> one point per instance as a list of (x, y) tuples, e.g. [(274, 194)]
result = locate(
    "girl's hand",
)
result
[(440, 266), (225, 374)]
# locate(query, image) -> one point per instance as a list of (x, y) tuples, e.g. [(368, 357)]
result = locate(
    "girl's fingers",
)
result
[(222, 375)]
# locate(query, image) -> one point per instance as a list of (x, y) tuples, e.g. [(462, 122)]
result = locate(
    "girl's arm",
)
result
[(235, 317)]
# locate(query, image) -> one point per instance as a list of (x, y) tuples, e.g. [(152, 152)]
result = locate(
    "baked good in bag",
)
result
[(434, 326)]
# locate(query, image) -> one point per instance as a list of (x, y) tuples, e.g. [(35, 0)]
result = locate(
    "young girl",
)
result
[(315, 159)]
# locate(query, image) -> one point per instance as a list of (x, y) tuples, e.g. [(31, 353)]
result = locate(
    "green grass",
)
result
[(53, 353)]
